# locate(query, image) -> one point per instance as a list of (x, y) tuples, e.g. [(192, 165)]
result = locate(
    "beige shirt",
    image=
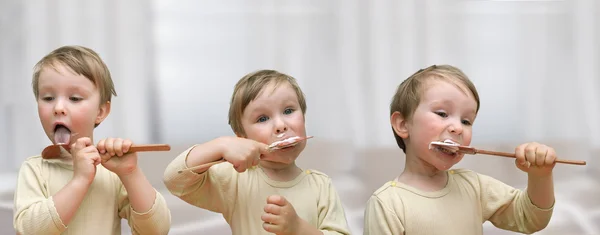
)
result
[(468, 200), (100, 212), (241, 197)]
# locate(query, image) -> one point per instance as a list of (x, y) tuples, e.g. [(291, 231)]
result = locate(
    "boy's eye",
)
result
[(467, 122), (288, 111), (75, 99), (48, 98), (441, 114), (262, 119)]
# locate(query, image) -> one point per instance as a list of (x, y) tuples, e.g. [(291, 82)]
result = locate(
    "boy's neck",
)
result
[(280, 172), (420, 175)]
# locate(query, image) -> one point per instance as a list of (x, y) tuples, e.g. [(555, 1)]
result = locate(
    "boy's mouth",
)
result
[(284, 143), (446, 151), (287, 143), (447, 146), (62, 135)]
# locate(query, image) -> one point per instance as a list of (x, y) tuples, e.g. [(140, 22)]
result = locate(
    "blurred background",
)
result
[(174, 63)]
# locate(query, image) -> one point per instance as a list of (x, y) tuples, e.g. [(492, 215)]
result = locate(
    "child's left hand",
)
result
[(535, 159), (280, 217), (115, 158)]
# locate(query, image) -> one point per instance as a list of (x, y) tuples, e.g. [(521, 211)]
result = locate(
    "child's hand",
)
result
[(280, 217), (85, 159), (535, 159), (242, 153), (115, 157)]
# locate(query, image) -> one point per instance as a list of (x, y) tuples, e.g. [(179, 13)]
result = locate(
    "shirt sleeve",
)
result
[(34, 211), (332, 218), (381, 219), (511, 209), (157, 220), (214, 189)]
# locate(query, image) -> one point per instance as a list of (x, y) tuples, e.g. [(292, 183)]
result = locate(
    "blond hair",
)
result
[(82, 61), (408, 94), (250, 86)]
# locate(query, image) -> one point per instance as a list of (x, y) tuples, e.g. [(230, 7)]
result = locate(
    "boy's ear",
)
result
[(103, 112), (399, 124)]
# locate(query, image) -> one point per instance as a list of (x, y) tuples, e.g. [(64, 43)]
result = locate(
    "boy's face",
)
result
[(275, 115), (445, 112), (68, 100)]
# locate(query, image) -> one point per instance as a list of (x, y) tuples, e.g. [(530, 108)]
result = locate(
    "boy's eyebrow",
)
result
[(42, 87), (441, 102), (263, 108), (257, 109), (81, 89), (472, 112), (449, 102), (292, 101), (70, 88)]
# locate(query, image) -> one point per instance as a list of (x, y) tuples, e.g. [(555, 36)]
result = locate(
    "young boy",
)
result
[(88, 189), (440, 103), (258, 191)]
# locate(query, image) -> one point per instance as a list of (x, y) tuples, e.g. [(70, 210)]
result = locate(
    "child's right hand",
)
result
[(242, 153), (85, 159)]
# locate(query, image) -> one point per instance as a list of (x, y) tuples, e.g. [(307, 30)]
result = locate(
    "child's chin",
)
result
[(444, 167), (447, 165), (282, 158)]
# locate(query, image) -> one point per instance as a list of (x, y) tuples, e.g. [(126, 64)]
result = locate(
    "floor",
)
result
[(577, 210)]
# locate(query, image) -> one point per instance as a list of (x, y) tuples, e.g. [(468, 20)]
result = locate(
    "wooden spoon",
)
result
[(53, 151), (473, 151)]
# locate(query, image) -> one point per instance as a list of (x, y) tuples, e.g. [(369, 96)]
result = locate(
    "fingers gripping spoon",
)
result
[(289, 142)]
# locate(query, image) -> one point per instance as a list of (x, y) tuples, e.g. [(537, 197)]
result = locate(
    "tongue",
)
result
[(62, 135)]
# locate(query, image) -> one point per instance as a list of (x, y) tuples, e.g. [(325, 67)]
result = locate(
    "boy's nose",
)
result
[(280, 130), (456, 128), (59, 108), (280, 125)]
